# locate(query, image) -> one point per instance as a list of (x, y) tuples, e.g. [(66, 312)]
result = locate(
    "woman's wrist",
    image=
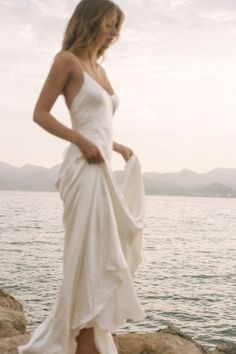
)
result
[(117, 147), (76, 137)]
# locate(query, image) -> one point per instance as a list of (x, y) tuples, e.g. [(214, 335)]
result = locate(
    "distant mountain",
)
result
[(27, 177), (225, 176), (5, 185), (216, 189), (217, 182)]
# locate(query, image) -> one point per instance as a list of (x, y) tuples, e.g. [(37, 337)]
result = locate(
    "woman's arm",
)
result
[(58, 77), (54, 85), (123, 150)]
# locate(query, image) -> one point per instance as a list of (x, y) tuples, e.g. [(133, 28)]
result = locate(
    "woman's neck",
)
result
[(91, 59)]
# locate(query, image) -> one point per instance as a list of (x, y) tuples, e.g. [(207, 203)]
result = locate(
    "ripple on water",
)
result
[(187, 277)]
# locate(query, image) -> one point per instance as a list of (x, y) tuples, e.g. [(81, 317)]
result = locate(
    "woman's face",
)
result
[(108, 30)]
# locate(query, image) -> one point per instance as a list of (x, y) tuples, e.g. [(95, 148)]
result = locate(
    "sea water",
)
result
[(187, 277)]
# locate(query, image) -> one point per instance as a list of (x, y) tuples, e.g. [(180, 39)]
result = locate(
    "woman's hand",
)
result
[(125, 151), (90, 151)]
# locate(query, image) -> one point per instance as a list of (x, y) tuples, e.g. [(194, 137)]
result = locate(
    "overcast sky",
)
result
[(174, 70)]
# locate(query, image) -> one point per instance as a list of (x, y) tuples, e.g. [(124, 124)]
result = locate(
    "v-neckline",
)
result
[(98, 83), (111, 95), (79, 92)]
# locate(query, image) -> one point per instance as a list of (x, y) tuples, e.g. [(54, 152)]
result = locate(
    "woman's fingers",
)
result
[(127, 154), (98, 158), (90, 151)]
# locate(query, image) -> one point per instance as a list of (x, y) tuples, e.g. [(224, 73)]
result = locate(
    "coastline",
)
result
[(170, 340)]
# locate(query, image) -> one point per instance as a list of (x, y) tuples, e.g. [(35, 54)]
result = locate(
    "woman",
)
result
[(103, 222)]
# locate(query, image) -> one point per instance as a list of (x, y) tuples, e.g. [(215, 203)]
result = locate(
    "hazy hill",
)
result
[(217, 182), (188, 178), (215, 189), (28, 177)]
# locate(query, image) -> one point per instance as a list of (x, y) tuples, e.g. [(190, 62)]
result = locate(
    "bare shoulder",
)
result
[(67, 61), (63, 59), (56, 82)]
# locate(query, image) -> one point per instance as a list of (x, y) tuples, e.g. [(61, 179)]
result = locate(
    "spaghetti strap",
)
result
[(77, 59), (91, 77)]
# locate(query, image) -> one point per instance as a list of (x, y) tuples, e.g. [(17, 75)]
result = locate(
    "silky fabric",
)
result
[(103, 223)]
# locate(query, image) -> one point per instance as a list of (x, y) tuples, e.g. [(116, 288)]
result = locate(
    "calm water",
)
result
[(187, 277)]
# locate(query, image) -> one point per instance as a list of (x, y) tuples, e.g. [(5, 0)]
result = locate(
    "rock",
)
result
[(165, 341), (169, 340), (12, 317), (9, 345), (12, 324), (224, 349)]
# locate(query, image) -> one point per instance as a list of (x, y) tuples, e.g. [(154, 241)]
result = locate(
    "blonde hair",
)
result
[(83, 28)]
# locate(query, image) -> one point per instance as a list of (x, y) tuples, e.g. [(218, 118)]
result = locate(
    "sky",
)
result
[(173, 68)]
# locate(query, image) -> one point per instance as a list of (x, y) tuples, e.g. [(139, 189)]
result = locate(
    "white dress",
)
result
[(103, 236)]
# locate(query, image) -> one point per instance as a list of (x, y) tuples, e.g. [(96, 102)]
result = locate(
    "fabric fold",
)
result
[(102, 250)]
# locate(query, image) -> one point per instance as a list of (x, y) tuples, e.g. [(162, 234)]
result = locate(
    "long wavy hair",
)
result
[(85, 25)]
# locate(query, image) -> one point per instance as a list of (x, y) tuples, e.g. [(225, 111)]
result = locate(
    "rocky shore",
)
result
[(169, 340)]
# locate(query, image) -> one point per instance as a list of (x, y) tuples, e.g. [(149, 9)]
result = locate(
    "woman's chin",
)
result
[(105, 46)]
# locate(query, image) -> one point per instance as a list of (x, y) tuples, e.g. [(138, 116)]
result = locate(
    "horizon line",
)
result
[(182, 169)]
